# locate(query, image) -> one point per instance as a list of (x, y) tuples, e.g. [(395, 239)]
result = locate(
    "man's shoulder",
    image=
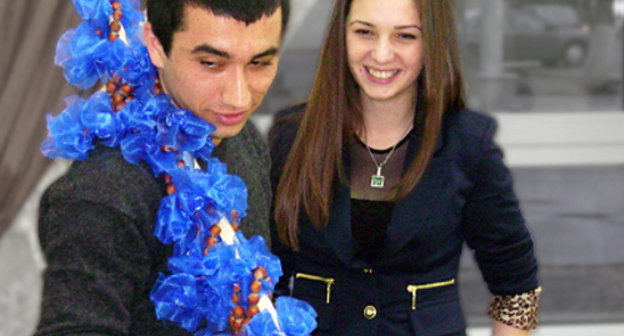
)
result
[(105, 177), (246, 155), (248, 145), (249, 140)]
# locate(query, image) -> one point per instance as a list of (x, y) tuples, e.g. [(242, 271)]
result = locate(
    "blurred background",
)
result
[(549, 71)]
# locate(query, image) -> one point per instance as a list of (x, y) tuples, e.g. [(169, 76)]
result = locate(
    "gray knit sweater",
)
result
[(96, 230)]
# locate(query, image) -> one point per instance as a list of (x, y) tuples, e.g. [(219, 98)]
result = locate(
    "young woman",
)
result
[(383, 175)]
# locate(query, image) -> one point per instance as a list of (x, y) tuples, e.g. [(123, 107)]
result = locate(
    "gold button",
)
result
[(370, 312)]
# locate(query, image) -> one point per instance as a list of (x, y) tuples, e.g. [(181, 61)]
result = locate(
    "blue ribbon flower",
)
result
[(99, 117), (295, 318), (176, 299), (67, 138), (84, 55), (172, 224), (138, 69), (90, 10)]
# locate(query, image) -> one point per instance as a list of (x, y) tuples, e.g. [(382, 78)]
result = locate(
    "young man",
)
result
[(215, 58)]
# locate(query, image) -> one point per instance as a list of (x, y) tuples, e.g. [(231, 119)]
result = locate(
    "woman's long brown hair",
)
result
[(333, 115)]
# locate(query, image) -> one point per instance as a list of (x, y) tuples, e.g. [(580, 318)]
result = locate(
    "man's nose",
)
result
[(237, 94)]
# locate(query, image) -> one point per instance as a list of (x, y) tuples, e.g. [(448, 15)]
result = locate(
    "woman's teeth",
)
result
[(382, 74)]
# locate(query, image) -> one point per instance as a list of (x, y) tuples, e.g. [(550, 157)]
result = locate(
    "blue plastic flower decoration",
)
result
[(132, 16), (295, 318), (99, 117), (176, 298), (98, 10), (67, 138), (228, 191), (172, 224), (98, 13), (80, 51), (138, 70)]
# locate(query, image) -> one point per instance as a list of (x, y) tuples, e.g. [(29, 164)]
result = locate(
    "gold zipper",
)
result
[(328, 281), (414, 288)]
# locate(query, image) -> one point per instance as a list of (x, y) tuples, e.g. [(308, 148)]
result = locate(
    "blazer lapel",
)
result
[(408, 213), (413, 211), (338, 231)]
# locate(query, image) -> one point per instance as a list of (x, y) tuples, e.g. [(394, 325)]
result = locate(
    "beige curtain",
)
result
[(30, 87)]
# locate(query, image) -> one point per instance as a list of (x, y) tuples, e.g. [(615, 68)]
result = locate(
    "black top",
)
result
[(362, 168), (371, 208), (369, 222)]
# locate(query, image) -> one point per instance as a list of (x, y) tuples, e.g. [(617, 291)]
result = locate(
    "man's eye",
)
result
[(261, 63), (209, 64)]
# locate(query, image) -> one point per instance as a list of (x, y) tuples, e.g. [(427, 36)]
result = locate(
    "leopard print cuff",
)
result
[(518, 311)]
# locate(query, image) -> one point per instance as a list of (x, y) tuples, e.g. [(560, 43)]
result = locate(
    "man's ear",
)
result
[(154, 47)]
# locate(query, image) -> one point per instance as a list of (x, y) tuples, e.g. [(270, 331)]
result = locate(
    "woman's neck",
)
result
[(386, 123)]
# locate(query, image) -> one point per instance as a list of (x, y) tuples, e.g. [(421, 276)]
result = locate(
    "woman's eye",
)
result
[(363, 32), (407, 36)]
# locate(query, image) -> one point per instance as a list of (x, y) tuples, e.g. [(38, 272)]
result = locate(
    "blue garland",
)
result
[(134, 115)]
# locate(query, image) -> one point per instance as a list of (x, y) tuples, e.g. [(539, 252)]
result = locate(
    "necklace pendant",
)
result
[(377, 180)]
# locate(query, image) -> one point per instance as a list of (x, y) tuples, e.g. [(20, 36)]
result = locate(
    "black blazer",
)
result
[(466, 195)]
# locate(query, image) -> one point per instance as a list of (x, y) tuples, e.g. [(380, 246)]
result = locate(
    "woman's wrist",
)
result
[(518, 311), (502, 329)]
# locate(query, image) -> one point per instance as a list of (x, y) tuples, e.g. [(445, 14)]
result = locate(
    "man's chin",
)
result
[(224, 132)]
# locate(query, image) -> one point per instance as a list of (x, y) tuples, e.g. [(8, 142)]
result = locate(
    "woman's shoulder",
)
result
[(468, 129), (291, 112), (467, 134), (469, 122)]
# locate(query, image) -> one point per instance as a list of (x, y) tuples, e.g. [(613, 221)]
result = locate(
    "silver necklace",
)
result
[(378, 180)]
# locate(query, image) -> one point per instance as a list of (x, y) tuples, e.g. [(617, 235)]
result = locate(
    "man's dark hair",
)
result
[(167, 16)]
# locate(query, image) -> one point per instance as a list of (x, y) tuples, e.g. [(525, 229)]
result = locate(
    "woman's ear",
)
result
[(154, 47)]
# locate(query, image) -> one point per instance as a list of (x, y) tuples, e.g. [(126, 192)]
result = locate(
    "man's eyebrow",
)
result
[(269, 52), (204, 48)]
